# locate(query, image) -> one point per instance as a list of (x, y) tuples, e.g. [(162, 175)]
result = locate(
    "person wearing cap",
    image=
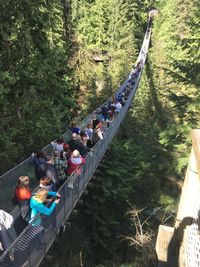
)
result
[(60, 166), (75, 161), (75, 144)]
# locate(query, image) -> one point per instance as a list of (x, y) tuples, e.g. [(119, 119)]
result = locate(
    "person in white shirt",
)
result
[(7, 232), (118, 107)]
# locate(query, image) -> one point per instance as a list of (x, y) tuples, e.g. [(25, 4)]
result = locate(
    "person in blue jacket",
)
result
[(37, 202)]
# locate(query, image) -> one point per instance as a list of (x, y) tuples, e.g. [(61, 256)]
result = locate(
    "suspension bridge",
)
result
[(25, 250)]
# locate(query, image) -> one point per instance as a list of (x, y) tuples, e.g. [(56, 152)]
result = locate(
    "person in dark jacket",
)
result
[(104, 112), (75, 144), (48, 170), (37, 159), (94, 122), (66, 152), (75, 129)]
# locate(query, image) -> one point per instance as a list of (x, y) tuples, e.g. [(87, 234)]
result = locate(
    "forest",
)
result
[(58, 61)]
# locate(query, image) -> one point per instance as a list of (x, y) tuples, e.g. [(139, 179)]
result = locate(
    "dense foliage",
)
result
[(175, 61), (35, 92)]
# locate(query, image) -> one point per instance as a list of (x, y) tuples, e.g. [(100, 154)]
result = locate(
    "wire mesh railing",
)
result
[(32, 244), (193, 241)]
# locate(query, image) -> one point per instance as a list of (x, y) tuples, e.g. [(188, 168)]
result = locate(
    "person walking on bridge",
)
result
[(75, 144), (48, 170), (37, 203), (74, 167), (22, 198), (60, 166)]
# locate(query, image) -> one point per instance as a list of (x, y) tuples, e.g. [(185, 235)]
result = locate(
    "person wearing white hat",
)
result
[(75, 161), (74, 169)]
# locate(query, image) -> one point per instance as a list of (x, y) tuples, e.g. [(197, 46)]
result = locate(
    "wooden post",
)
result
[(171, 245), (165, 234)]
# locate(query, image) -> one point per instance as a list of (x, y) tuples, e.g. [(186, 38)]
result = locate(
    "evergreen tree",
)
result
[(175, 60), (35, 90)]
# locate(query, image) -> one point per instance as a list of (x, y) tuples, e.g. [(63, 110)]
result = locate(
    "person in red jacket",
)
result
[(22, 190), (74, 167), (22, 196), (75, 161)]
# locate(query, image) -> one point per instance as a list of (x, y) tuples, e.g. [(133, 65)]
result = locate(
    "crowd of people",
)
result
[(52, 170)]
